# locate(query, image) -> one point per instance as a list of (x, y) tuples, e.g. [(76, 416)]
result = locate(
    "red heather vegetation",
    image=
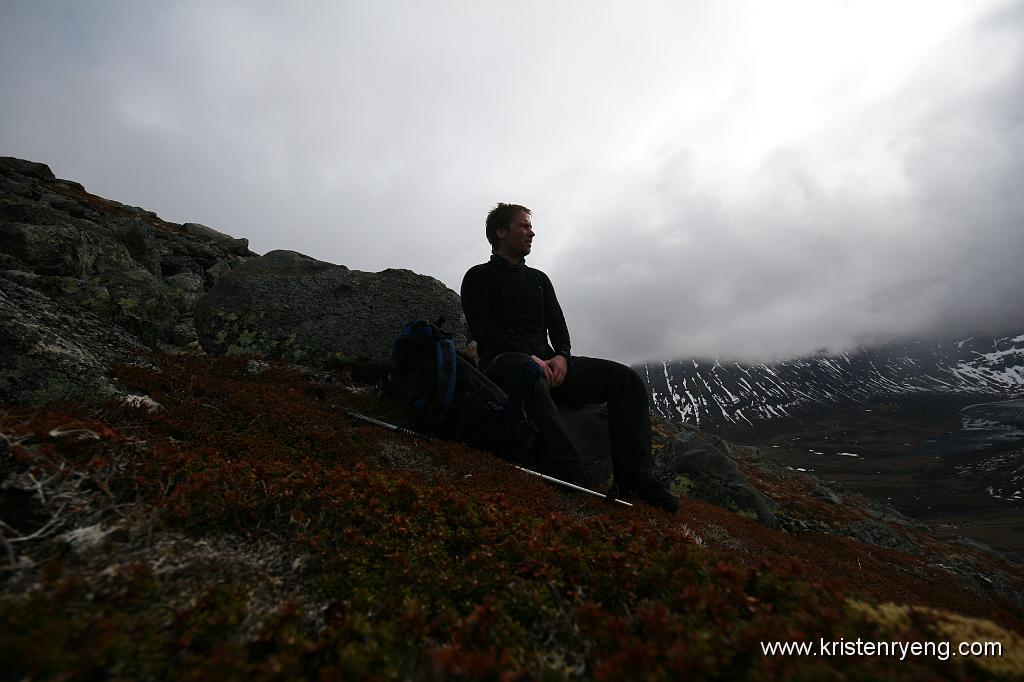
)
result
[(248, 529)]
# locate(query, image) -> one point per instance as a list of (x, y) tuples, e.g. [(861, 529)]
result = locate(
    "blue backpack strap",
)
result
[(446, 363)]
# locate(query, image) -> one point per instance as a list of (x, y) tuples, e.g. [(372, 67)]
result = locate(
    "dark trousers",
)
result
[(589, 380)]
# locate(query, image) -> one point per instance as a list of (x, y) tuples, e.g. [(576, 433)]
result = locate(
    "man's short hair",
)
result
[(500, 218)]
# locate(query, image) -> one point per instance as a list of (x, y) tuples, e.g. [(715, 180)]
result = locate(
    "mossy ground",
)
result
[(248, 529)]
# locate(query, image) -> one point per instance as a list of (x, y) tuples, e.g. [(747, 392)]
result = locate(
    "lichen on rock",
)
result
[(288, 305)]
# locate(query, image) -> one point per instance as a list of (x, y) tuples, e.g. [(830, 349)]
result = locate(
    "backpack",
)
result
[(451, 398)]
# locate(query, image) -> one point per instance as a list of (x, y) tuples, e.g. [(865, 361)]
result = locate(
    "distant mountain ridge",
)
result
[(736, 398)]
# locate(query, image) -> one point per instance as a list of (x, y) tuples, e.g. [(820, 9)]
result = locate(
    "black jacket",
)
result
[(513, 308)]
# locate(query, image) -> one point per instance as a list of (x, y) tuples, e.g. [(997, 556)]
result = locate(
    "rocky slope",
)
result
[(224, 518), (84, 279), (239, 525), (740, 399)]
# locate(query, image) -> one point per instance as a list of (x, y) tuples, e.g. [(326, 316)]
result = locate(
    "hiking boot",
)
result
[(651, 491)]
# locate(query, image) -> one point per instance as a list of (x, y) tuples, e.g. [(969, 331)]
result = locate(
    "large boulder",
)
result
[(287, 305), (239, 247), (701, 465)]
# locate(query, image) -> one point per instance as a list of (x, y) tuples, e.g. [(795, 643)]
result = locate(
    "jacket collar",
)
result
[(502, 262)]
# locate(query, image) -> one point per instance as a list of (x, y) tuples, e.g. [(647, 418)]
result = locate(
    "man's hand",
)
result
[(559, 367), (554, 369), (544, 368)]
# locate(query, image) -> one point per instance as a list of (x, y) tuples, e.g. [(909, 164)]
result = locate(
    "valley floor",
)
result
[(884, 454)]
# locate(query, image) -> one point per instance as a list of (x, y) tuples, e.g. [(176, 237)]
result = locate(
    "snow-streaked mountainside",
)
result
[(738, 397)]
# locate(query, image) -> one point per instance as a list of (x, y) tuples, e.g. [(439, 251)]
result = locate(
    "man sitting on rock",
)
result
[(523, 343)]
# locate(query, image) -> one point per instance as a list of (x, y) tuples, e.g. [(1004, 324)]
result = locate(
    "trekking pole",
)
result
[(385, 425), (550, 479), (573, 486)]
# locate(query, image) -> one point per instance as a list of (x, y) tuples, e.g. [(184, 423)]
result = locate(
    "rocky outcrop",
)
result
[(239, 247), (118, 262), (98, 261), (55, 351), (287, 305), (691, 463), (701, 465), (103, 275)]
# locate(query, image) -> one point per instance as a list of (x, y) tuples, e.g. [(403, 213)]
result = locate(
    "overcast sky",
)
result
[(734, 179)]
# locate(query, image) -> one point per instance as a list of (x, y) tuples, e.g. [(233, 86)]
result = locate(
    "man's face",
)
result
[(517, 240)]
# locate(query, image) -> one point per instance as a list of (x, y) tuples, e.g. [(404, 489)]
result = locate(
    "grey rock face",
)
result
[(84, 277), (64, 250), (238, 247), (54, 351), (215, 272), (140, 239), (827, 494), (880, 534), (287, 305), (702, 468), (107, 258), (39, 171), (186, 288)]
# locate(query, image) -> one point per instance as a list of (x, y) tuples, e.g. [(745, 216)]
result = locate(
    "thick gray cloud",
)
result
[(903, 218), (731, 179)]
